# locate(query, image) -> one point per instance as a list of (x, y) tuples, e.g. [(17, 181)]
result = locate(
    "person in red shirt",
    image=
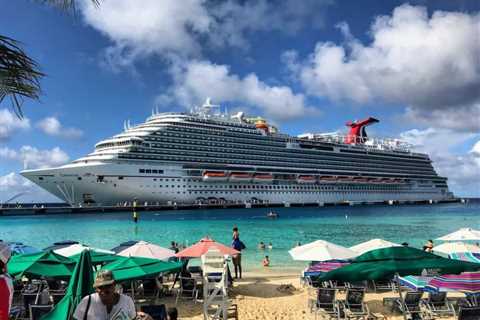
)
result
[(6, 285)]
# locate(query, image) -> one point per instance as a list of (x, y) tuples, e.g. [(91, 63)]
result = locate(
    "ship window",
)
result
[(119, 178), (141, 170), (79, 178), (40, 178), (154, 171), (148, 171)]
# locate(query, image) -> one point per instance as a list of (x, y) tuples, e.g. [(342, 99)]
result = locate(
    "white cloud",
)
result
[(196, 80), (10, 123), (14, 187), (426, 63), (53, 127), (34, 158), (184, 27), (461, 169)]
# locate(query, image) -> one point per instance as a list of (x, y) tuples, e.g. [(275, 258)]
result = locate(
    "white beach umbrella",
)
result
[(75, 249), (462, 235), (147, 250), (373, 244), (321, 250), (456, 247)]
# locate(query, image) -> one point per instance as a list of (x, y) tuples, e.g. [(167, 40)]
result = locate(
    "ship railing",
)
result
[(369, 143)]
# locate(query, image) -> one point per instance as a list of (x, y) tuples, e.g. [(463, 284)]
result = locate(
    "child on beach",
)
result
[(266, 261)]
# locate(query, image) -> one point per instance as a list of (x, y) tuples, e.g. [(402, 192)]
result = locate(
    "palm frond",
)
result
[(67, 5), (19, 74)]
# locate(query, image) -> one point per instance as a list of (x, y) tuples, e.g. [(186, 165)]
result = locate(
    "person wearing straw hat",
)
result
[(6, 284), (106, 304)]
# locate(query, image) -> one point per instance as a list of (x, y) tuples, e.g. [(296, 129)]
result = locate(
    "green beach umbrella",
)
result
[(397, 261), (128, 268), (42, 264), (98, 257), (79, 286)]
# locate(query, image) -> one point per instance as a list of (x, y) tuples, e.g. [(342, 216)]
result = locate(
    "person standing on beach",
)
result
[(135, 214), (237, 259), (6, 283)]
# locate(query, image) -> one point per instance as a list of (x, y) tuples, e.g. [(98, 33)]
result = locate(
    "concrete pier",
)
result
[(19, 211)]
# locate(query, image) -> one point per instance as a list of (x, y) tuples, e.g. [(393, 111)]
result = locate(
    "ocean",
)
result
[(346, 226)]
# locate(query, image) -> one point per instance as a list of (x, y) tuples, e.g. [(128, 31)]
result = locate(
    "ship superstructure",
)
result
[(208, 156)]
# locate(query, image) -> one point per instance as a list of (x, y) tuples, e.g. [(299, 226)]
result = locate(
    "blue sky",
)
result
[(308, 66)]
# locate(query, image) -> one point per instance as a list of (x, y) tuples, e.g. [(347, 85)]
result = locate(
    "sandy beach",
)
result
[(259, 295)]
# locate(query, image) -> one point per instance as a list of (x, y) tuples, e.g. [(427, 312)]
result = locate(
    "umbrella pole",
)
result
[(397, 280)]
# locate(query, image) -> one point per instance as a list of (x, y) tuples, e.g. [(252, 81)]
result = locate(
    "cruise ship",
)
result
[(206, 156)]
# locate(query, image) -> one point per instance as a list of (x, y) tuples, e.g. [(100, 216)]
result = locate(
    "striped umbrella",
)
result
[(416, 283), (323, 267), (466, 282), (466, 256)]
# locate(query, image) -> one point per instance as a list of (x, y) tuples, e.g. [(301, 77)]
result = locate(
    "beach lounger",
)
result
[(354, 307), (157, 312), (469, 313), (188, 288), (410, 305), (383, 285), (37, 311), (438, 305), (325, 304), (358, 284)]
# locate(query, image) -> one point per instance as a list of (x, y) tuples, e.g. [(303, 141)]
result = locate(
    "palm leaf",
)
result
[(19, 74)]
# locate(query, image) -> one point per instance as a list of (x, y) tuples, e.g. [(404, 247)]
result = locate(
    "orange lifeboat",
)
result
[(306, 179), (263, 178), (328, 179), (240, 177), (360, 179), (214, 176), (344, 179)]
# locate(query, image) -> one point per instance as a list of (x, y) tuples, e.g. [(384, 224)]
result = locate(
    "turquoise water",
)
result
[(343, 225)]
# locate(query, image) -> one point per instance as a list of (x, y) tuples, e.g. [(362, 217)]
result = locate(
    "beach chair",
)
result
[(188, 288), (157, 312), (410, 305), (38, 311), (383, 285), (325, 304), (358, 285), (354, 307), (469, 313), (437, 305)]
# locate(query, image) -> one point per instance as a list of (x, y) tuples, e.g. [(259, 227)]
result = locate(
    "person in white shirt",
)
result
[(105, 303)]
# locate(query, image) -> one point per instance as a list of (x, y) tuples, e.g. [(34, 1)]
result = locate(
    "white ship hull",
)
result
[(116, 184)]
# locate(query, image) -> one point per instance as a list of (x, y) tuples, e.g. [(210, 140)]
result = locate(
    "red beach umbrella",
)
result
[(201, 247)]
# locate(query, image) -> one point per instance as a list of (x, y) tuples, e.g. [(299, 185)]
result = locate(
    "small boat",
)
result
[(324, 179), (214, 176), (263, 178), (306, 179), (240, 177), (272, 215)]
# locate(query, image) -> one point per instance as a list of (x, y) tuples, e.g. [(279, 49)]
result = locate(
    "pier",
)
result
[(21, 210)]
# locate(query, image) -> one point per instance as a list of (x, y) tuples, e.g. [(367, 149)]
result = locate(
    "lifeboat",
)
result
[(306, 179), (360, 179), (240, 177), (328, 179), (263, 178), (214, 176), (344, 179)]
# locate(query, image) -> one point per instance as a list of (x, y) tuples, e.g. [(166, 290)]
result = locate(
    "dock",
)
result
[(23, 210)]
